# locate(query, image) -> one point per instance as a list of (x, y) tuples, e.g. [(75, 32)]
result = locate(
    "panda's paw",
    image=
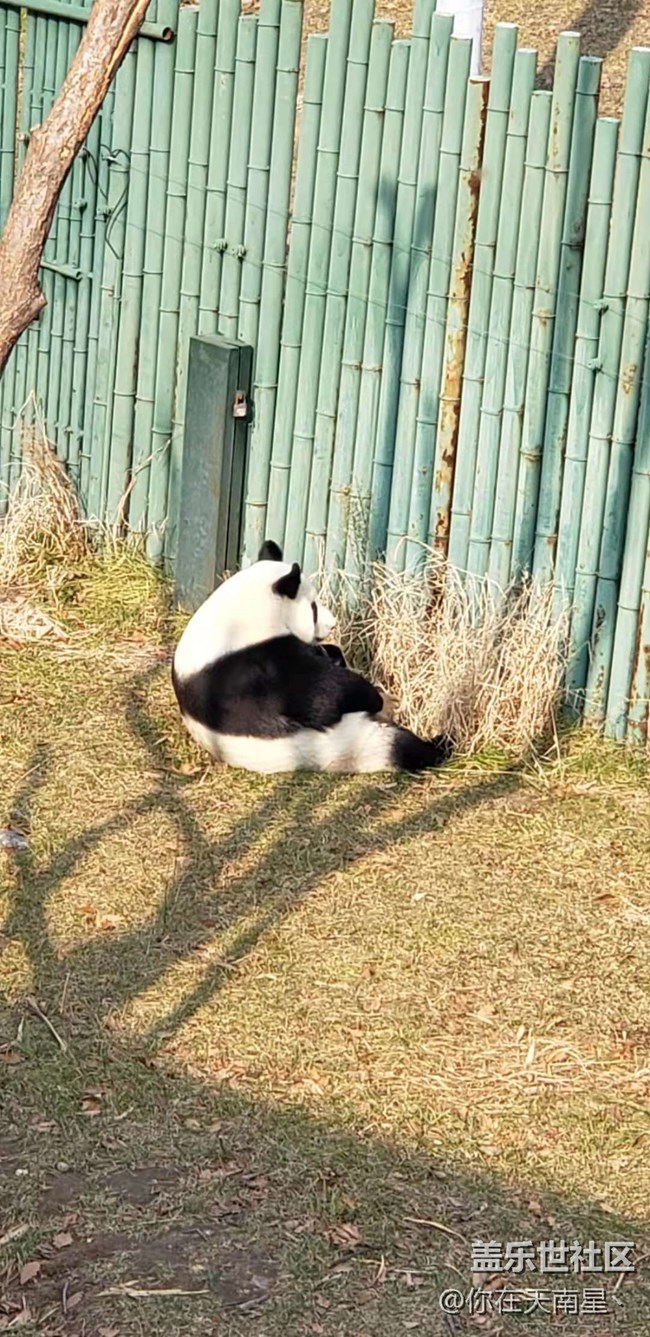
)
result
[(388, 710), (334, 654)]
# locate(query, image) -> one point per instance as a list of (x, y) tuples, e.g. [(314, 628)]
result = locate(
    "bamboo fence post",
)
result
[(296, 280), (197, 174), (232, 243), (220, 137), (271, 296), (402, 447), (409, 480), (317, 272), (496, 174), (130, 310), (111, 286), (545, 300), (585, 356), (337, 282), (516, 370), (476, 492), (152, 272), (402, 259), (622, 447), (357, 303), (162, 445), (631, 647), (607, 369), (564, 335), (364, 481)]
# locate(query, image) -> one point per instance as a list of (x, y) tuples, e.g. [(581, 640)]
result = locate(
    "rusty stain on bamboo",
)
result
[(450, 394)]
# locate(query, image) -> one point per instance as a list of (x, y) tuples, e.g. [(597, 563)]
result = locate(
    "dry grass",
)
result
[(43, 530), (484, 667)]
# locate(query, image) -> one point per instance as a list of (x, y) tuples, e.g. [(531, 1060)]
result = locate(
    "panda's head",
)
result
[(269, 598), (294, 606)]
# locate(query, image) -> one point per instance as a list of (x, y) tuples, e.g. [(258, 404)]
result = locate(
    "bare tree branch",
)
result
[(53, 147)]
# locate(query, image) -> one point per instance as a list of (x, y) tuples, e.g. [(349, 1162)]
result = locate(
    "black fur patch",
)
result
[(414, 754), (270, 552), (273, 689), (288, 585)]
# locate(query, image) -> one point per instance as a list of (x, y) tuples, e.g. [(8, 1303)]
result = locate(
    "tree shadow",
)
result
[(602, 26), (185, 917)]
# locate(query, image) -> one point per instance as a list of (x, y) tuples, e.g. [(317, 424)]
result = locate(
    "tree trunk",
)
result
[(53, 147)]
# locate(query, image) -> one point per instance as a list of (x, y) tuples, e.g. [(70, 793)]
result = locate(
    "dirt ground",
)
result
[(609, 28)]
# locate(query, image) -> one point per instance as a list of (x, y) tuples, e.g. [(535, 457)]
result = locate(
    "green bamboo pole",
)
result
[(162, 445), (348, 186), (154, 253), (628, 641), (72, 200), (101, 166), (54, 60), (99, 443), (235, 219), (586, 351), (361, 500), (357, 303), (518, 340), (624, 437), (545, 301), (220, 136), (475, 488), (257, 195), (12, 387), (9, 80), (638, 720), (267, 363), (128, 334), (79, 13), (414, 331), (609, 354), (495, 174), (202, 105), (311, 352), (402, 483), (87, 204), (9, 65), (294, 301), (27, 360), (405, 220), (562, 359), (446, 451)]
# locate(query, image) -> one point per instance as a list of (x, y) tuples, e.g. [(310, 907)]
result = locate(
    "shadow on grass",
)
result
[(252, 1207)]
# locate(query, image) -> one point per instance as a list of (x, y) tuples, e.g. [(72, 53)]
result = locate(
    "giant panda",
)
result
[(259, 688)]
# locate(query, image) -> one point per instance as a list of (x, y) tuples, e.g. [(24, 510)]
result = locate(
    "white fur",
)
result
[(244, 611), (357, 744)]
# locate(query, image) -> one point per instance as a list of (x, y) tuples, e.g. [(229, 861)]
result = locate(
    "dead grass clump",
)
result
[(43, 531), (485, 666)]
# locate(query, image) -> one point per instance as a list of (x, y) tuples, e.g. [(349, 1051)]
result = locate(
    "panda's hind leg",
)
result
[(410, 753)]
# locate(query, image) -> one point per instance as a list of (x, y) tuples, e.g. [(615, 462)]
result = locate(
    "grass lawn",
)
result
[(308, 1038)]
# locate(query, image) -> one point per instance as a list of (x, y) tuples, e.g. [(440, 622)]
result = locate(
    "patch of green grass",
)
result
[(319, 1034)]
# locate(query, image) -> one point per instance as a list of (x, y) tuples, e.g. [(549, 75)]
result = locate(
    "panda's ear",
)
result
[(270, 552), (288, 586)]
